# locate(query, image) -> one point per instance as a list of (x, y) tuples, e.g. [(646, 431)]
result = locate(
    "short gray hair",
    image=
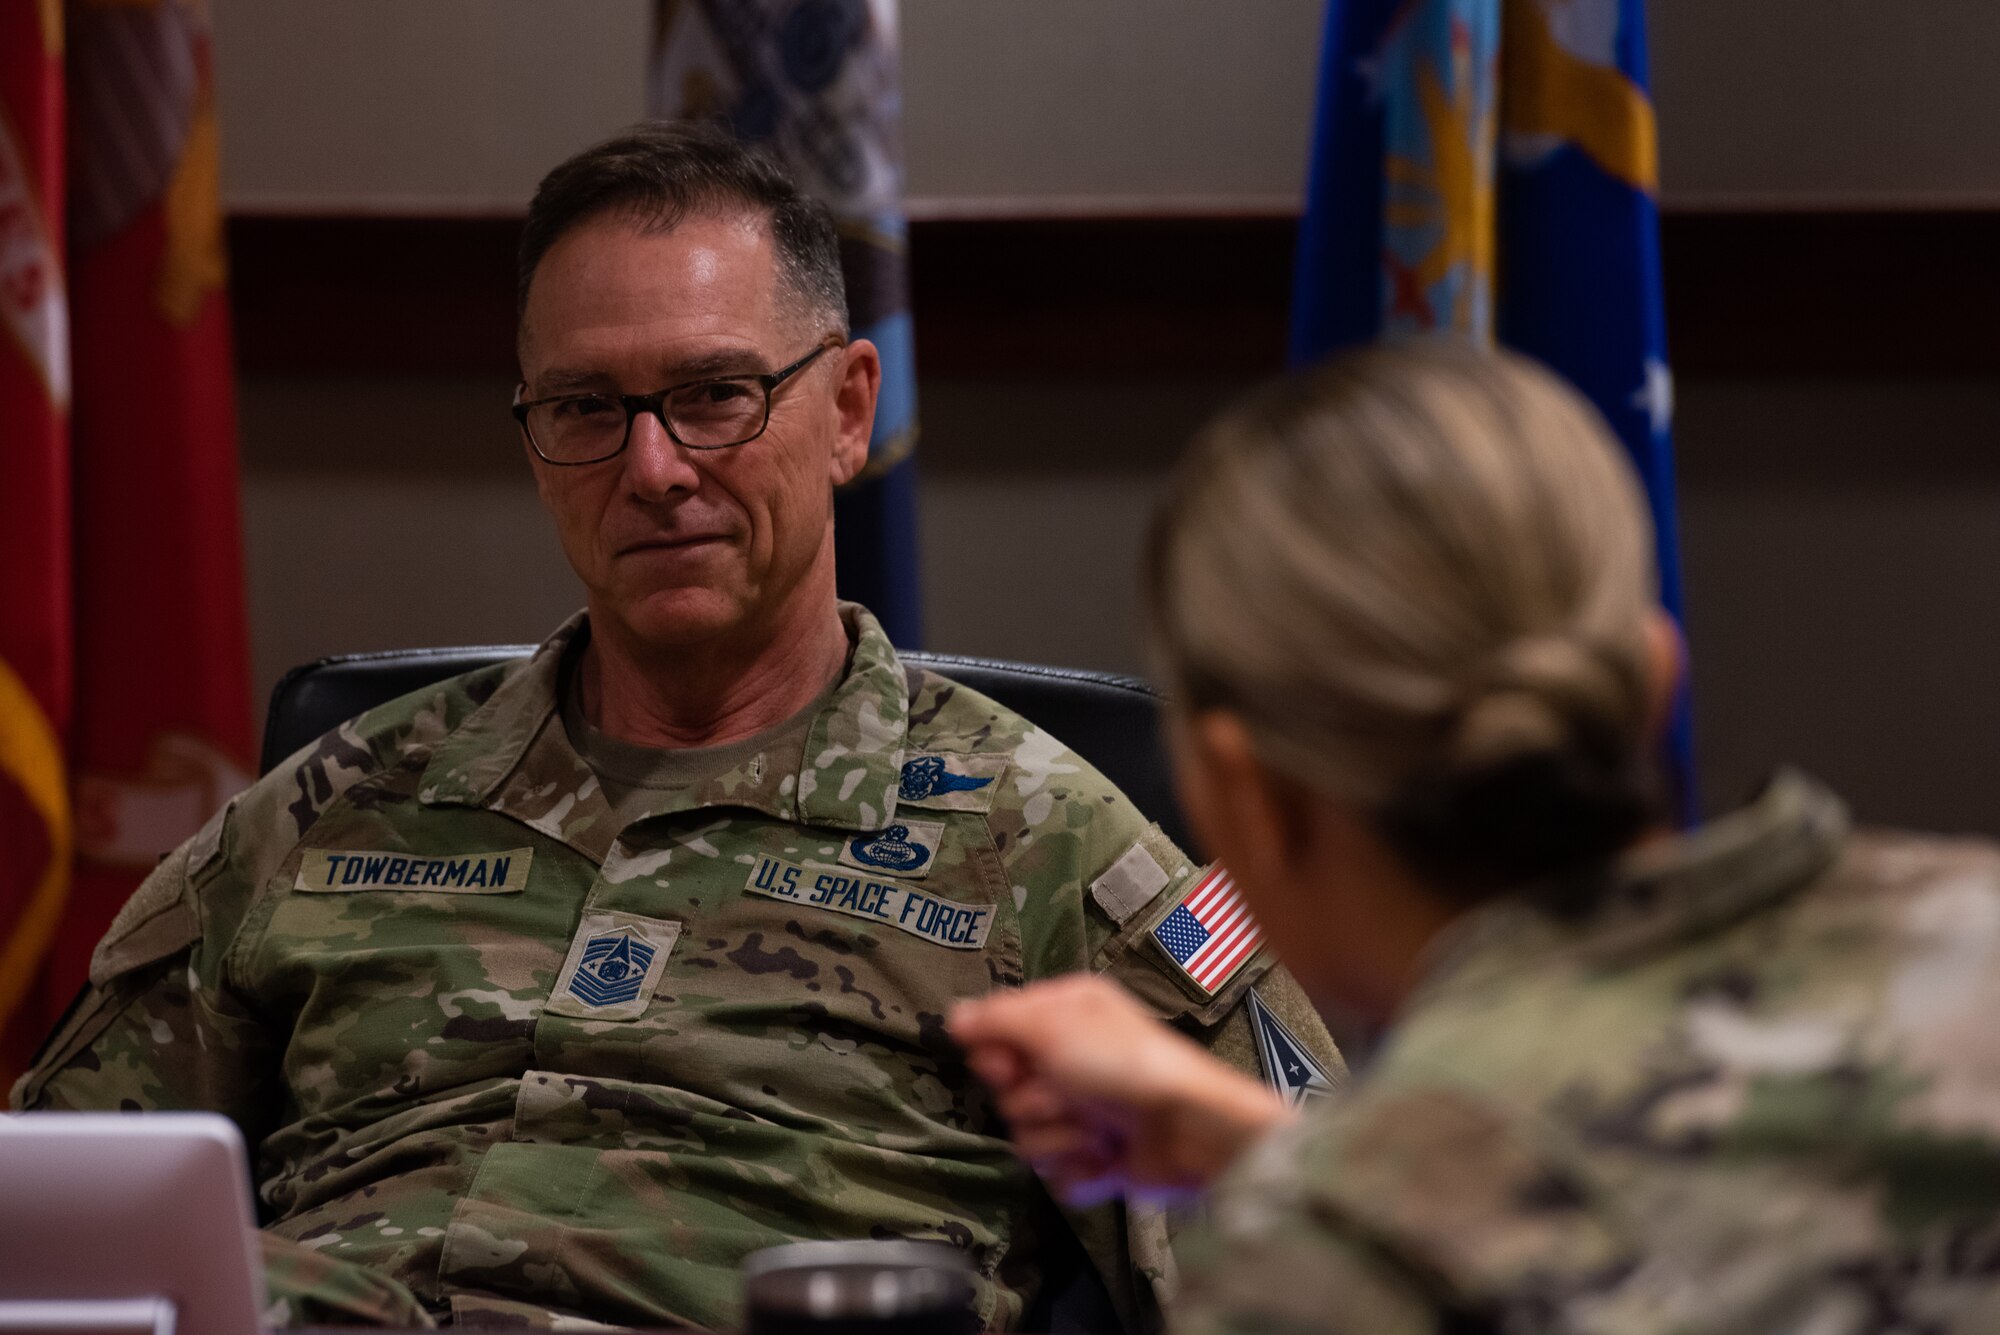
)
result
[(659, 172)]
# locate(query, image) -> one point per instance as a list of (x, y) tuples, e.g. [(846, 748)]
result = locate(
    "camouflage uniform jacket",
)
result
[(1757, 1091), (513, 1061)]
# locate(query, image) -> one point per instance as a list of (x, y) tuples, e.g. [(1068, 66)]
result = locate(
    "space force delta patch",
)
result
[(904, 907), (1289, 1066), (1209, 932), (324, 871)]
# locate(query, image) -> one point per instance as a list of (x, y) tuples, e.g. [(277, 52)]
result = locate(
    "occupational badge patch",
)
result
[(1288, 1064), (1209, 932), (614, 965), (950, 782), (904, 848)]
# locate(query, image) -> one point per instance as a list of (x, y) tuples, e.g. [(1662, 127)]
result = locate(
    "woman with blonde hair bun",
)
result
[(1741, 1079)]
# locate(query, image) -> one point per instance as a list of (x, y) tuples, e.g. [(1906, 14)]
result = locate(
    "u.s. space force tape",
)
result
[(876, 899)]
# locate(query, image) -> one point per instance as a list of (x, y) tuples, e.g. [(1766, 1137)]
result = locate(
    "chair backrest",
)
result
[(1112, 721)]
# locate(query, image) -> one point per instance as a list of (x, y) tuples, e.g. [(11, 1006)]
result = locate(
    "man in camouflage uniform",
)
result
[(552, 991)]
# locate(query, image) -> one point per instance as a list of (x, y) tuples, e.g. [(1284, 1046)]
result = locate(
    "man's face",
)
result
[(679, 546)]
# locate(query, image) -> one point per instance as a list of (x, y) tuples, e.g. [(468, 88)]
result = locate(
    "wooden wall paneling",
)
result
[(1747, 294)]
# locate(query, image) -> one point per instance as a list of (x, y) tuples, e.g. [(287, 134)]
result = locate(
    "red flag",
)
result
[(34, 510), (160, 734)]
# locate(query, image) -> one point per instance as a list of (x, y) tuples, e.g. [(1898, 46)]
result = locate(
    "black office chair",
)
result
[(1110, 720)]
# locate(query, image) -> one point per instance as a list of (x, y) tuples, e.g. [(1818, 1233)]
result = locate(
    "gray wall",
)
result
[(1842, 539), (1051, 105), (1839, 534)]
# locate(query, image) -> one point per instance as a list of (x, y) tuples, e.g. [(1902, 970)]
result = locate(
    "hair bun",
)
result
[(1538, 780), (1544, 692)]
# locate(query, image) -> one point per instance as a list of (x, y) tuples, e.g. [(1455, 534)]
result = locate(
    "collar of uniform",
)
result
[(854, 753), (512, 755), (1662, 893), (484, 749), (1729, 868)]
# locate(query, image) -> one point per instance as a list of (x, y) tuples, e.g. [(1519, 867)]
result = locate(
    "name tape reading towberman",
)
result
[(324, 871), (959, 926)]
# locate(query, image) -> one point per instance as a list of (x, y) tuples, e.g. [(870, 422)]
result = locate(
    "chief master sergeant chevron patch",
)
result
[(613, 966)]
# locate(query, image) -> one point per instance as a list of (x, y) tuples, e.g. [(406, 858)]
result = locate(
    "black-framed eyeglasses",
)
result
[(713, 413)]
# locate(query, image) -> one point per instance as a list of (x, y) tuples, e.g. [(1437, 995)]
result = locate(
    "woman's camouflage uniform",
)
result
[(1758, 1092)]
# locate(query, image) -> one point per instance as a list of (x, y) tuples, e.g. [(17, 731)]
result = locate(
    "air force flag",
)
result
[(1489, 169)]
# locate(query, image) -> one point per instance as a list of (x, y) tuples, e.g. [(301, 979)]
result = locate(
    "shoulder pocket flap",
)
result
[(156, 921)]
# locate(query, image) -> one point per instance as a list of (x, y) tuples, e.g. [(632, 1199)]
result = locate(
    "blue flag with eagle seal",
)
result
[(817, 83), (1490, 168)]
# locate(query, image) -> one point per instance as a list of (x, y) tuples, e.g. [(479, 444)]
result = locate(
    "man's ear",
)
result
[(854, 402), (535, 466), (522, 333)]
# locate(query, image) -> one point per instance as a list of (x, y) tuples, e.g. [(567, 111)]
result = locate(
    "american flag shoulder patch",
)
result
[(1209, 933)]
